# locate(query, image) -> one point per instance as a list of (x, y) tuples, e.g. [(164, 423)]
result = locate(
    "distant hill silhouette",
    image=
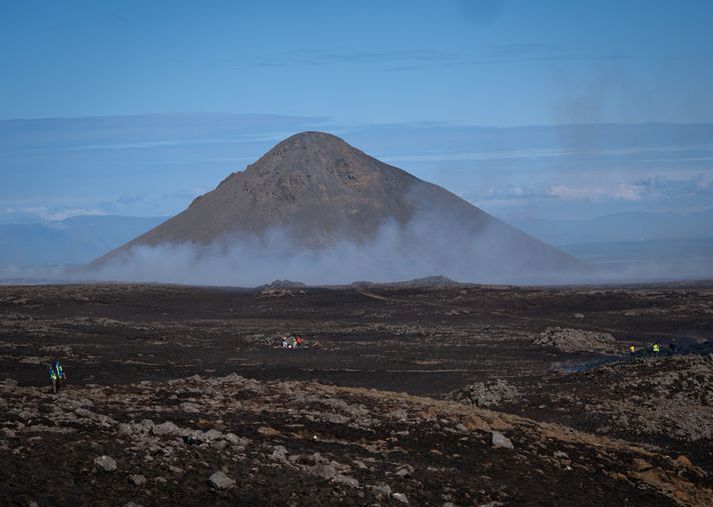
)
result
[(317, 191), (74, 240)]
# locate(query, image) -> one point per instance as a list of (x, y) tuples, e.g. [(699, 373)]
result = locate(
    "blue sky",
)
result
[(485, 62), (181, 93)]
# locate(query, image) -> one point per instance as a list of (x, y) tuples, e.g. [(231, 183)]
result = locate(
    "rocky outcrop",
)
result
[(576, 340), (488, 393), (668, 397)]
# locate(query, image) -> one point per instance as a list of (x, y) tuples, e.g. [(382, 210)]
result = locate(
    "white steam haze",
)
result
[(429, 245)]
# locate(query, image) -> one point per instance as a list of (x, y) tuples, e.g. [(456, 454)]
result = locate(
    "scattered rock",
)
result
[(360, 465), (106, 463), (9, 385), (190, 408), (405, 470), (683, 462), (498, 440), (345, 479), (194, 437), (324, 470), (219, 445), (211, 435), (268, 431), (398, 414), (400, 497), (381, 489), (138, 480), (41, 428), (279, 452), (641, 465), (167, 428), (232, 438), (26, 415), (221, 481)]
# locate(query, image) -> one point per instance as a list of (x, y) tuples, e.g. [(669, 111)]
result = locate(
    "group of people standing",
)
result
[(655, 348), (291, 342)]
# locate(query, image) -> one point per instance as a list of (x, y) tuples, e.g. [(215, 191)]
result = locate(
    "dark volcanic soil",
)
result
[(129, 349)]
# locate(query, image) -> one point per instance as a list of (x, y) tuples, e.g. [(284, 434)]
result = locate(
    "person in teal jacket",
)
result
[(57, 375)]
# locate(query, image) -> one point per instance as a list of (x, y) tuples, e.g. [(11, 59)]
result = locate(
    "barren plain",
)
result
[(420, 394)]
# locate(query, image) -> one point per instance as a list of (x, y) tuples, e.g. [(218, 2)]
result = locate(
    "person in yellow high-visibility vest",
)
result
[(632, 350), (656, 348)]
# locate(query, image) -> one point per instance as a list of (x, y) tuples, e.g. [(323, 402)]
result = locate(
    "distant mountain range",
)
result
[(72, 241), (621, 227)]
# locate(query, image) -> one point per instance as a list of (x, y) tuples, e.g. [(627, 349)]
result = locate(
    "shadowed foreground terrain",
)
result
[(425, 395)]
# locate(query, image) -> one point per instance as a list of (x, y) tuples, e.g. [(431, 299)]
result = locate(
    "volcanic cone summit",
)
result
[(318, 192)]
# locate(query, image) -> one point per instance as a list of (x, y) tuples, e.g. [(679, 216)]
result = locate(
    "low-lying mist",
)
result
[(396, 253), (427, 245)]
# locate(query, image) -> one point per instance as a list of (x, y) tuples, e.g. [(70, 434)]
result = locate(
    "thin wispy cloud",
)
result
[(551, 152), (636, 190), (414, 59), (51, 214)]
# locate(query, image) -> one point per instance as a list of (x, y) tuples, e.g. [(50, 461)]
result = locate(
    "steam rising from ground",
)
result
[(428, 245), (396, 253)]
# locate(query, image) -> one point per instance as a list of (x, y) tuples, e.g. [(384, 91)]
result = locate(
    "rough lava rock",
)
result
[(221, 481), (488, 394), (498, 440), (576, 340), (106, 463)]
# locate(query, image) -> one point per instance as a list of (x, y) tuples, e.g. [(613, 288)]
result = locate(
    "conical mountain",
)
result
[(317, 191)]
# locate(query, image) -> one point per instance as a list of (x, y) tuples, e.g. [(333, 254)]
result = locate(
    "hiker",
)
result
[(656, 348), (632, 350), (298, 342), (284, 342), (57, 375)]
